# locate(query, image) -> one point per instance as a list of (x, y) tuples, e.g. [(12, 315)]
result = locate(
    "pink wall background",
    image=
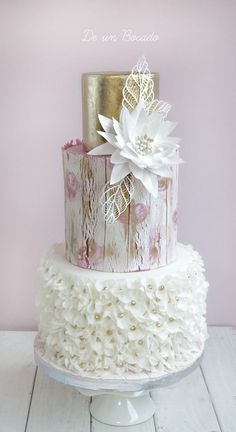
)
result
[(42, 57)]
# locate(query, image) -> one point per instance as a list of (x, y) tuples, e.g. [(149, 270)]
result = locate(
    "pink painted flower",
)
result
[(175, 217), (90, 257), (138, 213), (123, 218), (82, 258), (72, 185), (154, 247), (96, 254), (141, 212)]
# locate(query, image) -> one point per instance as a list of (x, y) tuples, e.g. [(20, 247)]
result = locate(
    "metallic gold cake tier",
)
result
[(102, 93)]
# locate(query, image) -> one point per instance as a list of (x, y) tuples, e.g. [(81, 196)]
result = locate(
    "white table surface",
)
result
[(205, 401)]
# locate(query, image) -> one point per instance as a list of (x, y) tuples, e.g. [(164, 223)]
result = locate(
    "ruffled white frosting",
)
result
[(112, 324)]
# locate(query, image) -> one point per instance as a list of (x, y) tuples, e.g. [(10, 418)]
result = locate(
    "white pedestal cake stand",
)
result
[(122, 401)]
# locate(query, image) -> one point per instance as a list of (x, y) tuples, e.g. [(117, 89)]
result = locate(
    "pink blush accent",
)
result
[(175, 217), (90, 258), (141, 212), (154, 246), (72, 185)]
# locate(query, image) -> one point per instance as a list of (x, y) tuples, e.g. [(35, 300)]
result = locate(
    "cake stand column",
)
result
[(121, 409)]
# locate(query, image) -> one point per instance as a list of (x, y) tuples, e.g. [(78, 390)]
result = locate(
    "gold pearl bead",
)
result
[(149, 286), (154, 311), (162, 287), (158, 324), (121, 314), (133, 302), (97, 317), (171, 319), (140, 342), (133, 327), (120, 364), (109, 332)]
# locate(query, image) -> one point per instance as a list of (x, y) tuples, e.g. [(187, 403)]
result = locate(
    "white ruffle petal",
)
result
[(147, 322)]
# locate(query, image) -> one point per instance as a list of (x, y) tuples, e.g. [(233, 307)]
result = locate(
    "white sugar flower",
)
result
[(139, 143)]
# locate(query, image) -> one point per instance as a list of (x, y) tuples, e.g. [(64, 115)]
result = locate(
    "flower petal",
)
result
[(109, 137), (167, 127), (106, 123), (117, 158), (162, 171), (119, 172), (149, 180), (117, 127), (103, 149)]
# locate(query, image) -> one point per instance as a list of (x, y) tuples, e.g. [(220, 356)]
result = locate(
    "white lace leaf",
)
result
[(159, 106), (116, 198), (139, 84)]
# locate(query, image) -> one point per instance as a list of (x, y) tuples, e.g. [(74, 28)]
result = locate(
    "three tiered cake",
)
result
[(121, 296)]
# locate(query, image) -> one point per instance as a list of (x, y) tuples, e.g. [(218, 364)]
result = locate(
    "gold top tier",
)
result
[(102, 93)]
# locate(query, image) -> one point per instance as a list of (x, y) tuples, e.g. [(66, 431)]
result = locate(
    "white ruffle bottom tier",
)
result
[(122, 324)]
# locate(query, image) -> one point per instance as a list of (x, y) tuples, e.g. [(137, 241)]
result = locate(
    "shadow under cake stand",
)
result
[(122, 401)]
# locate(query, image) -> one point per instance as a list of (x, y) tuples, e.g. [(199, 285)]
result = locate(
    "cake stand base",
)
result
[(123, 401)]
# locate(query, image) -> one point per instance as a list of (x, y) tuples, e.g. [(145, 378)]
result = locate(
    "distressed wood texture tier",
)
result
[(144, 236)]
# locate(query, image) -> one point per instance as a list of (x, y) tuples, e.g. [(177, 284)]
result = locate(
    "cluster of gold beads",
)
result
[(143, 144)]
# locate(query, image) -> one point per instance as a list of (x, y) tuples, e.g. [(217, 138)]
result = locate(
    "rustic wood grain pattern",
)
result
[(139, 229), (185, 407), (57, 408), (219, 371), (116, 237), (17, 373), (142, 238), (173, 216)]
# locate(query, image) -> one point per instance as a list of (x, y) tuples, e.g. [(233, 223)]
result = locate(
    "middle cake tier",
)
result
[(144, 237)]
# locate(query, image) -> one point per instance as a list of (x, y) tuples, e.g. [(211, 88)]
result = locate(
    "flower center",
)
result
[(143, 144)]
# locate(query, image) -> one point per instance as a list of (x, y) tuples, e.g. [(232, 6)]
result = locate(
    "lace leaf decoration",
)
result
[(139, 84), (160, 106), (116, 198)]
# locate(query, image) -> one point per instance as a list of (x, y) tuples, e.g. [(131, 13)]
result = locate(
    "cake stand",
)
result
[(122, 401)]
